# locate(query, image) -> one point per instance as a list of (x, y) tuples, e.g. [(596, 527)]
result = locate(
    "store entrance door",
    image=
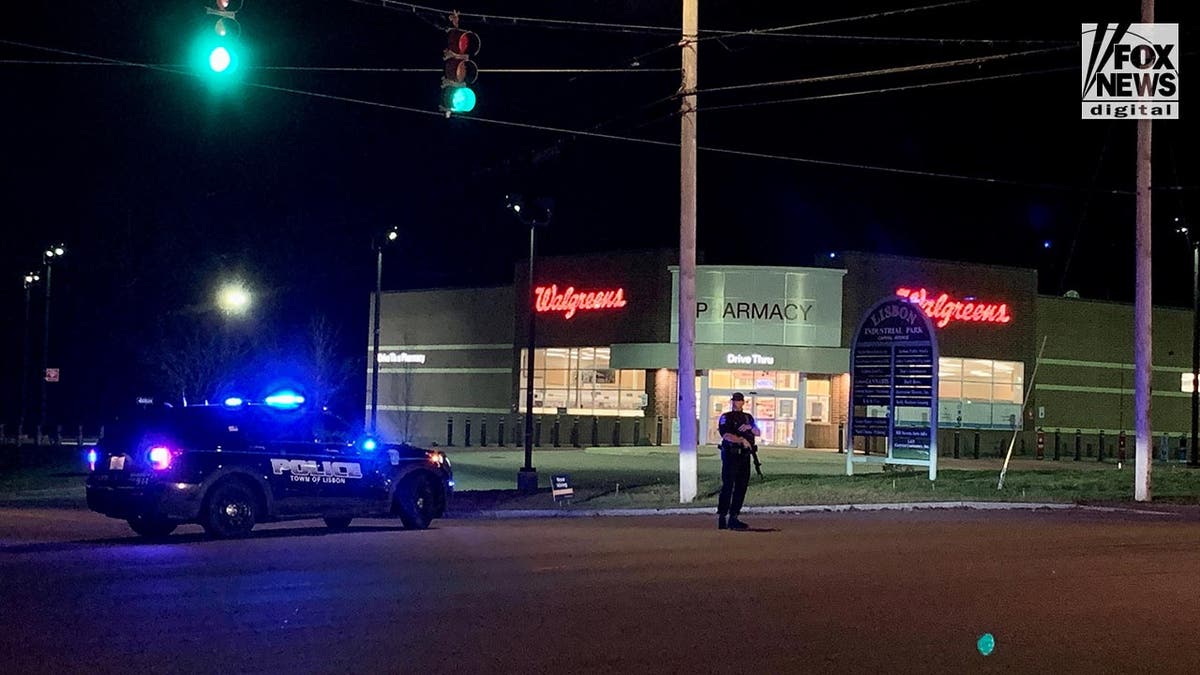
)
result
[(774, 414)]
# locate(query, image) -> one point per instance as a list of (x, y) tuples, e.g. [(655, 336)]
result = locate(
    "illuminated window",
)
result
[(980, 393), (579, 380)]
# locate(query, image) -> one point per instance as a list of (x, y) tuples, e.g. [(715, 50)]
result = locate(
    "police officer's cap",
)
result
[(737, 396)]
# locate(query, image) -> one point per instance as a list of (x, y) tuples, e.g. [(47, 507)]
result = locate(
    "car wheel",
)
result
[(230, 510), (151, 527), (417, 496), (338, 523)]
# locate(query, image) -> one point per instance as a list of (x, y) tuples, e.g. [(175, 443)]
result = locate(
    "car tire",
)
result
[(230, 510), (417, 499), (337, 524), (150, 527)]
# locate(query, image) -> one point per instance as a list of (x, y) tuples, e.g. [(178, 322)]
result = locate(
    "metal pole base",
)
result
[(527, 480)]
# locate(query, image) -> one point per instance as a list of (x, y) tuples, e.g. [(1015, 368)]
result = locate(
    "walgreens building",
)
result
[(452, 360)]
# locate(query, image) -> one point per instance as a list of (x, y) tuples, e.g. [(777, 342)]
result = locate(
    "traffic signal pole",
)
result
[(688, 477)]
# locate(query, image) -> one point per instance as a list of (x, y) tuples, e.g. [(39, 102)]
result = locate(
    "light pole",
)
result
[(30, 279), (1182, 228), (380, 241), (533, 219), (51, 253)]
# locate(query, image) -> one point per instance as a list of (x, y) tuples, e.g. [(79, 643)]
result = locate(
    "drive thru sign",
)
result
[(894, 386)]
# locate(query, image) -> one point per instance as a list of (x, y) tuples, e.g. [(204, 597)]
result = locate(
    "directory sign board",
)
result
[(894, 385)]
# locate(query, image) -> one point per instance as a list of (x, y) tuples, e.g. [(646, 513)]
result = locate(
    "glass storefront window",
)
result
[(579, 379), (980, 393)]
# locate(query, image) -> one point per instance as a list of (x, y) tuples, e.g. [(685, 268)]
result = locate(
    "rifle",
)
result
[(757, 464)]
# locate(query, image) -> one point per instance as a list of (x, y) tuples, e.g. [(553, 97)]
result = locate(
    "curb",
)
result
[(501, 514)]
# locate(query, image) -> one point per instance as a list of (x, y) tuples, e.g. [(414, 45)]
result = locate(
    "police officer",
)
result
[(737, 431)]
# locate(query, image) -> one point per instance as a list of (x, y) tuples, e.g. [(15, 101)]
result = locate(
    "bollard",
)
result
[(841, 438), (38, 436), (1041, 444), (500, 432), (554, 432), (467, 433), (483, 433), (1100, 448), (537, 432), (637, 431), (1078, 443), (1022, 449), (1121, 448), (616, 435), (575, 432), (658, 431), (957, 440), (449, 431), (1057, 445), (595, 431), (976, 445)]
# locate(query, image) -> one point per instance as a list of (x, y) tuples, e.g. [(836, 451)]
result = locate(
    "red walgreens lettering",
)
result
[(570, 301), (943, 309)]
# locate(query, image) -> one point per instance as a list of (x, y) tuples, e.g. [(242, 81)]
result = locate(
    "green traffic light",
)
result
[(462, 100), (219, 59)]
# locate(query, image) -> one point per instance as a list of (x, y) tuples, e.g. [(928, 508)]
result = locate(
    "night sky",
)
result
[(161, 186)]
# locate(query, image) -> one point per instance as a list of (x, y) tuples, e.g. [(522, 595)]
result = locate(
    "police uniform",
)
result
[(735, 465)]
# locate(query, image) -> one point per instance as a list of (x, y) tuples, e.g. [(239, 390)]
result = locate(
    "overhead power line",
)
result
[(708, 34), (613, 137), (884, 90), (349, 69), (976, 60)]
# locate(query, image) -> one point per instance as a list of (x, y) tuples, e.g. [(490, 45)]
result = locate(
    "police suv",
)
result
[(228, 467)]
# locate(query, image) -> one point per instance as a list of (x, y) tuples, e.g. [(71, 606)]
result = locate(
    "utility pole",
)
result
[(381, 240), (45, 339), (1142, 308), (1194, 460), (30, 279), (688, 476)]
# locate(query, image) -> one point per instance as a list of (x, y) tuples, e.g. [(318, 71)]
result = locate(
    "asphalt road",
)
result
[(853, 592)]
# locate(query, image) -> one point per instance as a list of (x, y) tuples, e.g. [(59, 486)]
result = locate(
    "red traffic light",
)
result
[(462, 42), (461, 71)]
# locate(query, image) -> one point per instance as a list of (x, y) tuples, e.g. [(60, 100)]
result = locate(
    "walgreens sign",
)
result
[(570, 301), (943, 309)]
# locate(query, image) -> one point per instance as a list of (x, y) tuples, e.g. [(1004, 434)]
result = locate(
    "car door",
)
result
[(361, 466)]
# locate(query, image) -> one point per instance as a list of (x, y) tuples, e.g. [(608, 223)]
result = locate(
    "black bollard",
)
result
[(976, 445), (575, 432), (500, 432), (554, 432), (450, 431), (957, 441), (1100, 450), (537, 432), (616, 435), (595, 431), (841, 438), (467, 432), (659, 431), (483, 433), (637, 431), (1078, 443), (1057, 445)]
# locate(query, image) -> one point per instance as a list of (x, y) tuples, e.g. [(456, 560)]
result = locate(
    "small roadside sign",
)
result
[(52, 374), (560, 487)]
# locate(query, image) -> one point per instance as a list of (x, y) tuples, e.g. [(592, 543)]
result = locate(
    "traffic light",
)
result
[(459, 71), (218, 52)]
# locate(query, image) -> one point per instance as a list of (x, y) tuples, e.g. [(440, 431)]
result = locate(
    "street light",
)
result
[(234, 299), (30, 279), (48, 257), (533, 218), (1182, 228), (391, 235)]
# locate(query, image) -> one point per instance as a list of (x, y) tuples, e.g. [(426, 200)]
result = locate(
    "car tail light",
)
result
[(160, 457), (435, 457)]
